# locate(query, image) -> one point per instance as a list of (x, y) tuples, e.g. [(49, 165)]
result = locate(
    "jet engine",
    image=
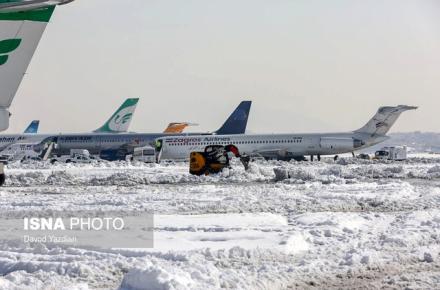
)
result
[(334, 143)]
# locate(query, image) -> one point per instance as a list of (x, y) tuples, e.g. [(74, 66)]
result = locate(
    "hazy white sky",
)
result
[(311, 65)]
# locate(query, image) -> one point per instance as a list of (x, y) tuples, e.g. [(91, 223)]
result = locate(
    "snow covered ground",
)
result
[(346, 224)]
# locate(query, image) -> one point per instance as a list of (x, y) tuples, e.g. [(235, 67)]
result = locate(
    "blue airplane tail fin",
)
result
[(33, 127), (237, 122)]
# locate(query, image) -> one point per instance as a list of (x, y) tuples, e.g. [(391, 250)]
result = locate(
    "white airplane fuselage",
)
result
[(286, 146), (271, 145)]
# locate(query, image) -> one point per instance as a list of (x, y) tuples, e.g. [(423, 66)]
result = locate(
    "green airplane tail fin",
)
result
[(22, 24), (120, 121)]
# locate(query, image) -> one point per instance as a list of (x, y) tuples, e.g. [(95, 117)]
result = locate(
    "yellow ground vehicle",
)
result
[(214, 159)]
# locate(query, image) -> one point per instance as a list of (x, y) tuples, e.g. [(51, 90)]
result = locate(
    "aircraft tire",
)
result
[(2, 174)]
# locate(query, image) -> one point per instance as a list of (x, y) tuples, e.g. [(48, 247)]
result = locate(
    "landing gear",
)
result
[(352, 153), (312, 157), (336, 157), (299, 158), (2, 174)]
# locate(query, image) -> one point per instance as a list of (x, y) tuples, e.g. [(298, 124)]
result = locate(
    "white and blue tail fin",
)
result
[(33, 127), (120, 121), (22, 24), (384, 119)]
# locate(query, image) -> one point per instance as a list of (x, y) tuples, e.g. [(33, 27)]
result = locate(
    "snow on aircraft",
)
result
[(22, 24), (287, 146)]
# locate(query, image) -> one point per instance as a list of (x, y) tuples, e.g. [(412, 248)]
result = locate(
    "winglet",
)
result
[(237, 122), (120, 121)]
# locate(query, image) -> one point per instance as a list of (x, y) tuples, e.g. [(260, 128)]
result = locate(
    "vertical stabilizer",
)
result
[(120, 121), (177, 127), (33, 127), (384, 119), (237, 122), (22, 24)]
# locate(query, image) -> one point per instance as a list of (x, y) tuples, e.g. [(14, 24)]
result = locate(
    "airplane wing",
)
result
[(177, 127)]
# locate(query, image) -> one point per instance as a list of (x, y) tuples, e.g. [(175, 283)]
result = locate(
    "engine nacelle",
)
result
[(334, 143)]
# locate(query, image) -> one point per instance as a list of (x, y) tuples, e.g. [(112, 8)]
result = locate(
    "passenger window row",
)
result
[(239, 142)]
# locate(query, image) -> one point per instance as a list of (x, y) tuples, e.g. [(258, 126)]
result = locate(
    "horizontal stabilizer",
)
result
[(384, 119)]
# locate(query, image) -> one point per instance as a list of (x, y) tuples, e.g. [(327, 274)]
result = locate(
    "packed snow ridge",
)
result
[(126, 174)]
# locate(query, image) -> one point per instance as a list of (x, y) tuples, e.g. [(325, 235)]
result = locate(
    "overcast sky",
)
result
[(311, 65)]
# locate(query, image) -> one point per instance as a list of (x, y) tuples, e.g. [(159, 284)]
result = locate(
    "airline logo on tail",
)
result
[(122, 117), (120, 121), (381, 124), (6, 47), (237, 122), (240, 115)]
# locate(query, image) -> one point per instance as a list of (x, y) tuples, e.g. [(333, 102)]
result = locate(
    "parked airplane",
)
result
[(119, 122), (117, 146), (22, 24), (33, 127), (287, 146)]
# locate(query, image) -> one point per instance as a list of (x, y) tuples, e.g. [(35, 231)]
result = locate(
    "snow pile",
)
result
[(156, 278), (126, 174), (348, 224), (337, 173), (21, 280)]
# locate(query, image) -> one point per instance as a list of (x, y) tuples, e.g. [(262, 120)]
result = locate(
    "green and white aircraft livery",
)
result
[(22, 24), (120, 121)]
